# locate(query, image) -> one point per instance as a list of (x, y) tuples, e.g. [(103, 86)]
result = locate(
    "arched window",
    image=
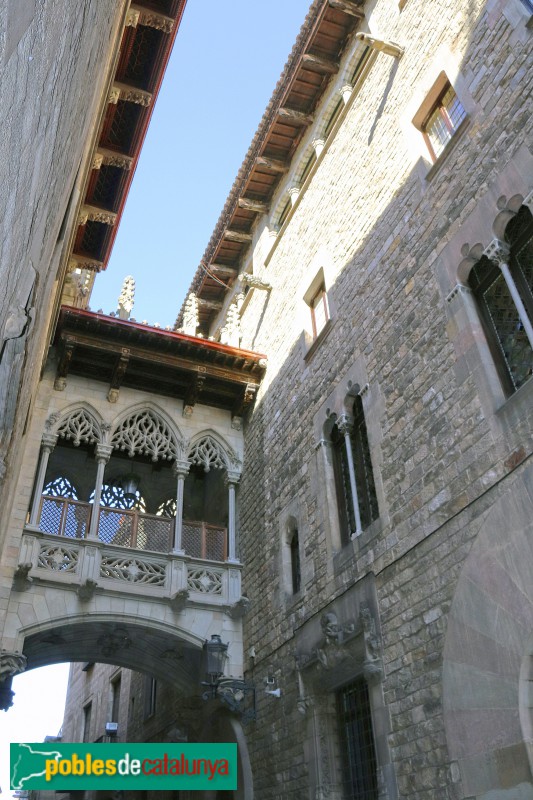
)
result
[(507, 338), (356, 494), (294, 545)]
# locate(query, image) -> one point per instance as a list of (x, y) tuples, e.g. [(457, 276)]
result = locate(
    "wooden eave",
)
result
[(122, 130), (157, 361), (313, 61)]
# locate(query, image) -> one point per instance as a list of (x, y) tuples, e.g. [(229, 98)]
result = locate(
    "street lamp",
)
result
[(231, 691)]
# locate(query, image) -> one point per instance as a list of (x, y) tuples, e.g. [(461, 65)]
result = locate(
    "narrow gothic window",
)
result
[(506, 336), (364, 475), (362, 502), (357, 738), (319, 311), (295, 561)]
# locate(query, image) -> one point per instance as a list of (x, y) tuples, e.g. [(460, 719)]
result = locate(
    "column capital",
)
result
[(346, 92), (232, 477), (181, 468), (345, 424), (103, 452), (49, 441), (497, 251)]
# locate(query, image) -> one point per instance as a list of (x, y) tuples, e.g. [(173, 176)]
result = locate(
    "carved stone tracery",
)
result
[(79, 426), (209, 454), (147, 434)]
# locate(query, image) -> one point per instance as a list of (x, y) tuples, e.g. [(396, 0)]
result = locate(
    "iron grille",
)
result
[(357, 738), (123, 126), (93, 238), (143, 54), (135, 530), (64, 517), (201, 540), (106, 190)]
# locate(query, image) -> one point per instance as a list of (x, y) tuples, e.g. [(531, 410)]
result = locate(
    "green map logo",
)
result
[(120, 766)]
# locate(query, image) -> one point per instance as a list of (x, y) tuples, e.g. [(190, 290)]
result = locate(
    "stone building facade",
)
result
[(377, 246)]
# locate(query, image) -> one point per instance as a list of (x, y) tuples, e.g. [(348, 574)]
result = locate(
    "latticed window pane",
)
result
[(342, 486), (364, 475), (60, 487), (360, 769), (444, 120), (510, 333), (504, 328)]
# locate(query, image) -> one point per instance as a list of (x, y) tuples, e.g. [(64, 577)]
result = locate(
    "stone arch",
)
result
[(223, 727), (209, 448), (161, 439), (132, 639), (483, 661), (525, 699), (79, 423)]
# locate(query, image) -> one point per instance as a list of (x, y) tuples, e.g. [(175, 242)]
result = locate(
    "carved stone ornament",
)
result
[(126, 299), (381, 45), (208, 453), (86, 591), (231, 333), (158, 21), (255, 281), (11, 664), (112, 643), (147, 434), (111, 159), (178, 601), (21, 581), (130, 95), (94, 214), (190, 315), (335, 647), (79, 426), (239, 608)]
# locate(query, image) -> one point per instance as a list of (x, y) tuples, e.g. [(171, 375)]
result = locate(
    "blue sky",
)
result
[(226, 62)]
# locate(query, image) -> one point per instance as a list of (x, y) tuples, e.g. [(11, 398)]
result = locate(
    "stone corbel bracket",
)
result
[(381, 45), (179, 600), (255, 282), (21, 581), (86, 590), (238, 609)]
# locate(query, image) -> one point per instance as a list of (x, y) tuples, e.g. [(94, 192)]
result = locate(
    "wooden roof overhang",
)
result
[(313, 60), (121, 353), (147, 41)]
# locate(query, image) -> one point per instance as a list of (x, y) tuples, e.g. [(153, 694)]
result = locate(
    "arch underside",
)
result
[(490, 624), (118, 639)]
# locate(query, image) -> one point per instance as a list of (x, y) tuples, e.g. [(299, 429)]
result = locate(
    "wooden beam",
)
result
[(272, 164), (118, 375), (210, 305), (223, 270), (252, 205), (294, 117), (353, 9), (320, 64), (237, 236), (188, 364)]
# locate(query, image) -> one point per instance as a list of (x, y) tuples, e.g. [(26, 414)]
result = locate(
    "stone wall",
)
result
[(56, 61), (387, 228)]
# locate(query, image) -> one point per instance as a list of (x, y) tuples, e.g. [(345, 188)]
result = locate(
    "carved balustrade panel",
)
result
[(133, 570)]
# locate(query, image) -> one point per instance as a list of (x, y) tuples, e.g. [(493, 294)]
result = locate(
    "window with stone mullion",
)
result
[(364, 475), (505, 333), (343, 486)]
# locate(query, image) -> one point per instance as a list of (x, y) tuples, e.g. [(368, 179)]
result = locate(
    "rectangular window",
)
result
[(357, 737), (443, 121), (87, 713), (150, 696), (115, 698), (319, 311)]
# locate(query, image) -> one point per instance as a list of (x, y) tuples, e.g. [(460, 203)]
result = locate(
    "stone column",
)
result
[(498, 252), (318, 145), (345, 424), (232, 479), (346, 92), (103, 454), (11, 664), (294, 191), (181, 470), (48, 443)]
